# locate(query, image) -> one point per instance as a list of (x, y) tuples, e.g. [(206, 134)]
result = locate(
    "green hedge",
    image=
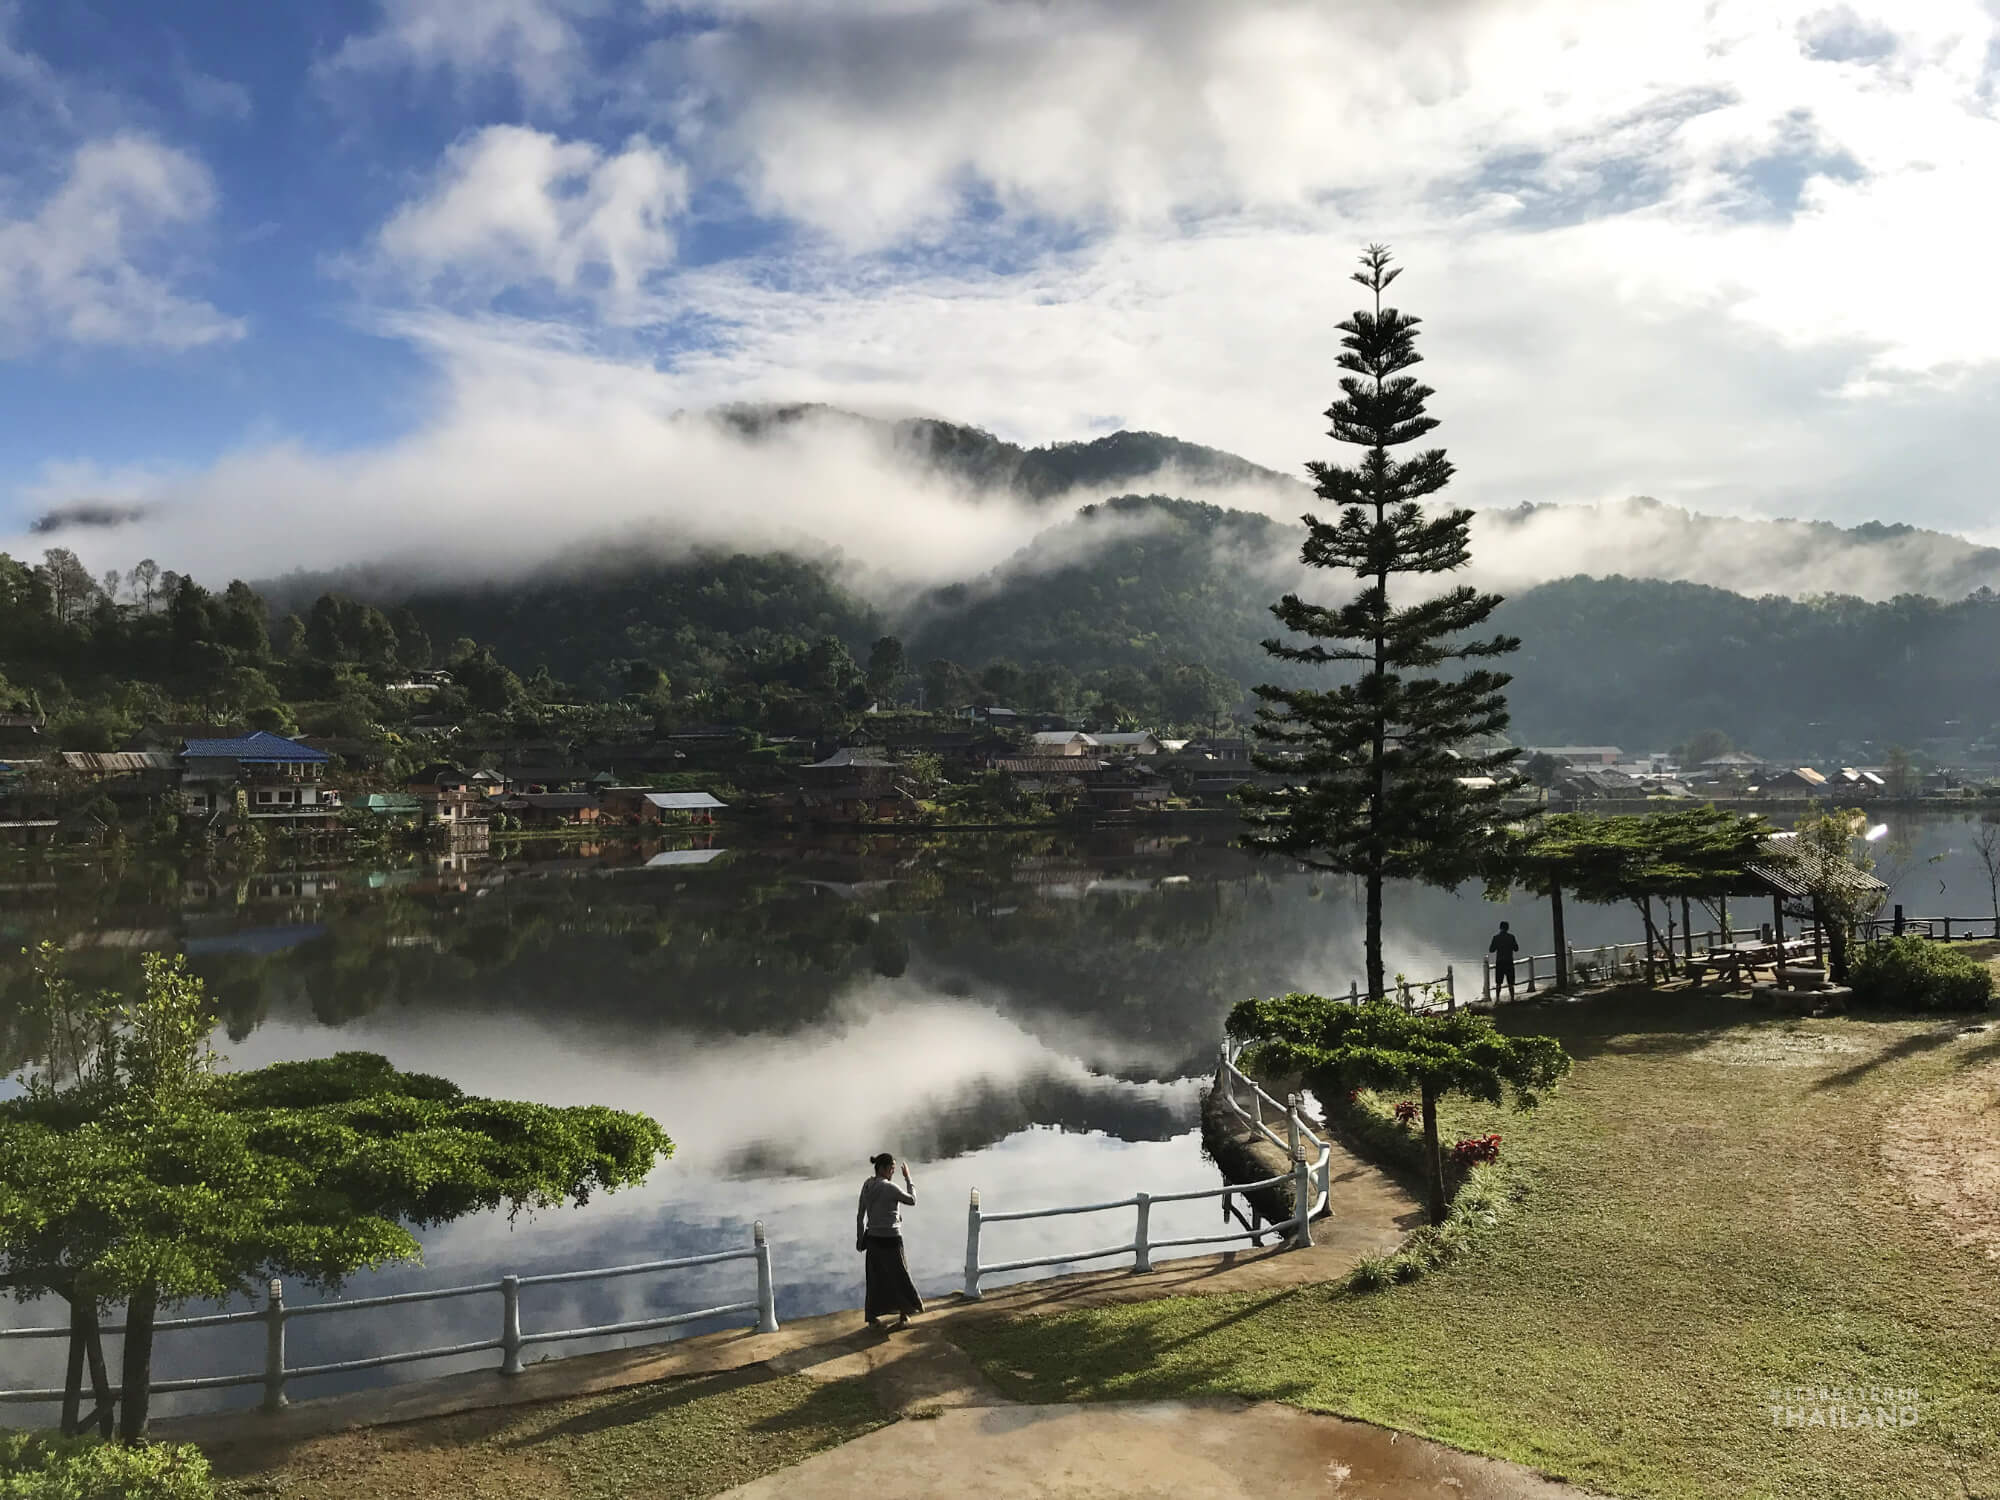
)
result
[(1914, 973), (34, 1466)]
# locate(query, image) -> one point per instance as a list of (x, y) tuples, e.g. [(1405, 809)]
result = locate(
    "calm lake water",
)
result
[(1029, 1015)]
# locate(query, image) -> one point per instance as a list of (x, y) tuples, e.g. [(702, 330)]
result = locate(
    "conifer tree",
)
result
[(1372, 764)]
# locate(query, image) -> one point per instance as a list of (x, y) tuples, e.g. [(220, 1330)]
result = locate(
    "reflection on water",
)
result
[(1031, 1016)]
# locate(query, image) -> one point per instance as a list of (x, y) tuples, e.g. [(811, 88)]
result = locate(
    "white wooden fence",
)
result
[(510, 1341), (1311, 1181)]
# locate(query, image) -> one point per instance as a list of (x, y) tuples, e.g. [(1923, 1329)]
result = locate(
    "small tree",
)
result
[(1335, 1046), (1829, 855), (1631, 857), (1375, 782), (130, 1170), (1986, 844)]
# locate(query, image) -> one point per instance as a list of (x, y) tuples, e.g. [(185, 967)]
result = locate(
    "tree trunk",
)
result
[(1687, 930), (1377, 985), (1836, 951), (1433, 1156), (100, 1377), (136, 1375), (72, 1406), (1556, 926)]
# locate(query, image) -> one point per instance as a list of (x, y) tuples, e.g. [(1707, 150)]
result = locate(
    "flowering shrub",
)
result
[(1406, 1112), (1474, 1150)]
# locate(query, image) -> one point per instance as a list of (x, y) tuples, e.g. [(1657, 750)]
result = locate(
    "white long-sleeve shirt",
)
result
[(880, 1210)]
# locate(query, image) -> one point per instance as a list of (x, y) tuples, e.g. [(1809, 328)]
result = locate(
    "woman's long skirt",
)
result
[(890, 1289)]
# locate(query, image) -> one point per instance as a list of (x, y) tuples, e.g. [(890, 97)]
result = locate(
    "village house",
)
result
[(1226, 751), (1797, 783), (1138, 742), (448, 797), (549, 809), (993, 715), (1576, 755), (850, 785), (1061, 742), (644, 805), (280, 779), (1853, 782), (1039, 775)]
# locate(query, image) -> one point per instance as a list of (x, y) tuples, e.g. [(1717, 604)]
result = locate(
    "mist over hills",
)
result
[(1641, 622)]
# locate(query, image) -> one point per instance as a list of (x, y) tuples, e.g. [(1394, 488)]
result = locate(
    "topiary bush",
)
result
[(35, 1466), (1914, 973)]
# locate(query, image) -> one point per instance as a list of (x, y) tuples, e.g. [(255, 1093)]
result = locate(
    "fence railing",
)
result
[(1310, 1182), (1602, 962), (510, 1341), (1415, 994)]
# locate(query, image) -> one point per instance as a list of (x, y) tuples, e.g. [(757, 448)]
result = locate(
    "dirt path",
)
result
[(1143, 1450)]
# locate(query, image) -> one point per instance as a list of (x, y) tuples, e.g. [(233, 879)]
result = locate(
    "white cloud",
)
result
[(512, 206), (88, 265), (534, 42)]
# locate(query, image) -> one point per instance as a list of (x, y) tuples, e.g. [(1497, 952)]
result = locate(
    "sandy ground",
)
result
[(1943, 1146), (1800, 1046), (1143, 1450)]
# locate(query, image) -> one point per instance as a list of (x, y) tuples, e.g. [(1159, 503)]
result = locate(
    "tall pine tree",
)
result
[(1372, 766)]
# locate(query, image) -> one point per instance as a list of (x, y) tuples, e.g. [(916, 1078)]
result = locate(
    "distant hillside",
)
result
[(1129, 582), (975, 456)]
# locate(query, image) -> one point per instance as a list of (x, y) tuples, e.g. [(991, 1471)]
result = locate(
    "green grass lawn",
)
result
[(1706, 1217), (673, 1440)]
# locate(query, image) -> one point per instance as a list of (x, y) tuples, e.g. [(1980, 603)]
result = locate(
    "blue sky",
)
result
[(397, 264)]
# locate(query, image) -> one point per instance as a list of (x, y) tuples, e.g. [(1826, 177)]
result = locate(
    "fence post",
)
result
[(274, 1348), (767, 1297), (1947, 929), (1292, 1121), (972, 1248), (1572, 965), (1353, 992), (1142, 1250), (1531, 973), (1222, 1073), (510, 1325), (1302, 1202), (1486, 980), (1899, 919), (1450, 992)]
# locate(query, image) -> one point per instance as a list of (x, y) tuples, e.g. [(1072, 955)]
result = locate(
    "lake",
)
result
[(1031, 1015)]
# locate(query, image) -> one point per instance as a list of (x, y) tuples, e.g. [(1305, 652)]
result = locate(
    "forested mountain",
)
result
[(1140, 605), (1128, 582)]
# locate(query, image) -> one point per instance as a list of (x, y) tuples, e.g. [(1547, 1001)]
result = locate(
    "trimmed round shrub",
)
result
[(1914, 973), (36, 1466)]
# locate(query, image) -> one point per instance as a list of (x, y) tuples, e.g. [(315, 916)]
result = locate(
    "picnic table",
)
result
[(1736, 962)]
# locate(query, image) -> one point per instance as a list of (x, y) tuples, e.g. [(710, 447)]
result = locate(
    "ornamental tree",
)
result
[(1378, 780), (1335, 1046), (1699, 852), (134, 1171)]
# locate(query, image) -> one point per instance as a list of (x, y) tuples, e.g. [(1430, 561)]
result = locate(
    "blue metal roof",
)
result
[(262, 746)]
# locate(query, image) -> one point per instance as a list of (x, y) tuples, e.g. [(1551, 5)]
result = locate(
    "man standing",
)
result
[(1503, 948)]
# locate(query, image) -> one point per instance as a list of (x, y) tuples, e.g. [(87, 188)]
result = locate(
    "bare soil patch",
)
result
[(1778, 1047), (1943, 1147)]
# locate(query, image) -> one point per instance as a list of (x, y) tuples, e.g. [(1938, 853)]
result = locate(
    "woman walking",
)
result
[(878, 1234)]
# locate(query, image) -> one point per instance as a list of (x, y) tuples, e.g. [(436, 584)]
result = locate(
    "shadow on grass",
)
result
[(827, 1406), (1067, 1359), (1628, 1020), (1910, 1046)]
